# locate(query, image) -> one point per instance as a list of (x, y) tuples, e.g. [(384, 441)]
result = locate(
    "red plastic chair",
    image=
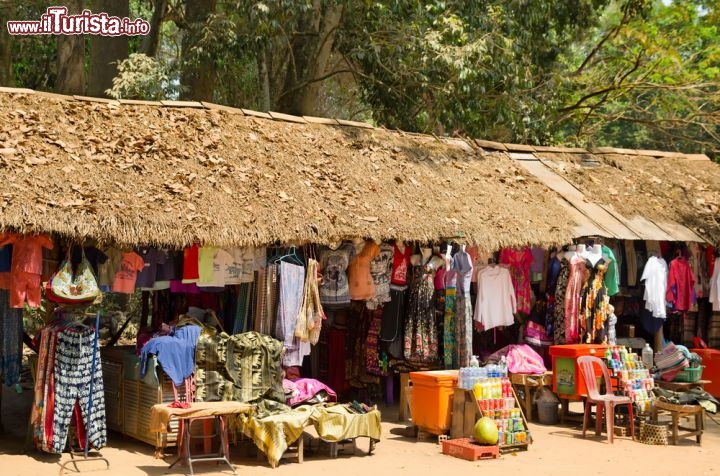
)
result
[(605, 402)]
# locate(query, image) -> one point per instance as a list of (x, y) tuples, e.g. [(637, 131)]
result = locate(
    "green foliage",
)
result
[(654, 83), (479, 68), (142, 77), (34, 65)]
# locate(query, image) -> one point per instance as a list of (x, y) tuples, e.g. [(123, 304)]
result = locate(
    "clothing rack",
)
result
[(86, 454)]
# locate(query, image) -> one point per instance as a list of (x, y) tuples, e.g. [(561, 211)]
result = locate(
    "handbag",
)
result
[(66, 287)]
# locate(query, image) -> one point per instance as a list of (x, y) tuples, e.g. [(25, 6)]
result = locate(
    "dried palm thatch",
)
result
[(133, 174), (661, 187)]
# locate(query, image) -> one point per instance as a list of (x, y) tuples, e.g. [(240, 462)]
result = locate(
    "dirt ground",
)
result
[(557, 451)]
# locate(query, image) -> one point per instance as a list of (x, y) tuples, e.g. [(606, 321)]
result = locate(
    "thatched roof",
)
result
[(634, 194), (176, 173)]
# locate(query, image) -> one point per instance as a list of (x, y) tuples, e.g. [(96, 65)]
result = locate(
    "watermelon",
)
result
[(485, 431)]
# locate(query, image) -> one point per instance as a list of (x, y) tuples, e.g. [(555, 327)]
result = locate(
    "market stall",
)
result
[(385, 254)]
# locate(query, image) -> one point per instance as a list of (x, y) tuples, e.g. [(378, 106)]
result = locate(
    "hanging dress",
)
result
[(449, 342), (572, 299), (520, 262), (594, 309), (421, 340), (559, 308), (463, 265)]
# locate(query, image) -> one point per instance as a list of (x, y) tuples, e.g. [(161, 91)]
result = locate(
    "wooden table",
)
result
[(205, 412), (682, 386), (530, 383)]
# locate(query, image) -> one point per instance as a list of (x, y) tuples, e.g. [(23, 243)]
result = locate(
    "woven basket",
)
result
[(653, 433)]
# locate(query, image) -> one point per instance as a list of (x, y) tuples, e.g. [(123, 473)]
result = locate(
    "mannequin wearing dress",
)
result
[(421, 339), (594, 254)]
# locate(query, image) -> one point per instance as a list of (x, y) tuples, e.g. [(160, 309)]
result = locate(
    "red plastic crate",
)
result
[(466, 449)]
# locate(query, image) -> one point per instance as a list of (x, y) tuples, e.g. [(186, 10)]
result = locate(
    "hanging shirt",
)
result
[(680, 285), (191, 271), (381, 269), (715, 285), (463, 266), (495, 304), (26, 251), (698, 265), (108, 269), (334, 289), (655, 277), (213, 262), (232, 269), (612, 274), (152, 257), (362, 286), (401, 261), (124, 281), (5, 258)]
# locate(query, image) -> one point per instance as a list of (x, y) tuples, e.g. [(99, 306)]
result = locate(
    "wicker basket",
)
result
[(689, 374), (653, 433)]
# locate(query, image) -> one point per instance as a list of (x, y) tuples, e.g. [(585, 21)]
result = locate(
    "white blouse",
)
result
[(655, 277), (495, 303)]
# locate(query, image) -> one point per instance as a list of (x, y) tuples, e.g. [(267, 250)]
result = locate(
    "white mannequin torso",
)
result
[(594, 254)]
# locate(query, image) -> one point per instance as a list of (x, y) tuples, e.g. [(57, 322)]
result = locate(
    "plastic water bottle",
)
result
[(648, 356), (503, 367), (461, 377), (474, 362)]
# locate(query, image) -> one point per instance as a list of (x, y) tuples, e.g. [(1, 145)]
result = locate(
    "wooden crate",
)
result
[(466, 411), (464, 448), (128, 400)]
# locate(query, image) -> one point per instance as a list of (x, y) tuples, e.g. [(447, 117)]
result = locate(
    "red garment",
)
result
[(24, 286), (680, 285), (519, 262), (27, 251), (401, 261), (710, 258), (191, 260)]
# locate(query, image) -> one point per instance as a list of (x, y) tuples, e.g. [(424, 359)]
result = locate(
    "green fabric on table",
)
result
[(336, 423)]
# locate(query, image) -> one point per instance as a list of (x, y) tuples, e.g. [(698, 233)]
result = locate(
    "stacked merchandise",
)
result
[(493, 391), (634, 379)]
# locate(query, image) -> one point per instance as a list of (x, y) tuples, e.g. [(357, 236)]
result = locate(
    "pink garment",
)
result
[(303, 389), (125, 278), (680, 285), (439, 280), (177, 286), (578, 270), (520, 262)]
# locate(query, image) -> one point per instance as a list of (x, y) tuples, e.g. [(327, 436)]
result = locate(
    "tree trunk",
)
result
[(311, 48), (263, 76), (198, 71), (151, 41), (7, 12), (71, 57), (106, 51)]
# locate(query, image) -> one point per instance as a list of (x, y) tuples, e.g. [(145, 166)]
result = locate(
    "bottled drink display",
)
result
[(633, 375), (493, 391)]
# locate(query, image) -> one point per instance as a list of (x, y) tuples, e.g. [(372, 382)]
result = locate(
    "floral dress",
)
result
[(559, 309), (519, 262), (594, 305), (421, 338)]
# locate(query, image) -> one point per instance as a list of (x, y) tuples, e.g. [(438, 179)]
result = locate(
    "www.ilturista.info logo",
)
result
[(57, 22)]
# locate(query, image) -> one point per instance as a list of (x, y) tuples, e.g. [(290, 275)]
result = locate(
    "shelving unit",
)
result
[(466, 411)]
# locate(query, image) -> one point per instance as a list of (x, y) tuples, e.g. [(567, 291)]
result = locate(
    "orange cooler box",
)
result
[(431, 403), (567, 379), (711, 361)]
